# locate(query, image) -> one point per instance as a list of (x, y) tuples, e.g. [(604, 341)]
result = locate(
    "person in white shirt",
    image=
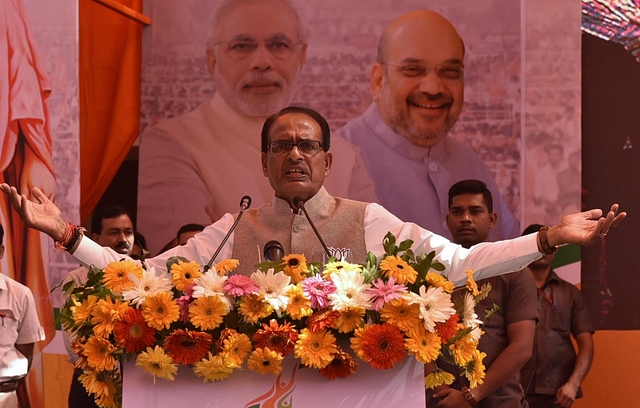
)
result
[(20, 329), (296, 159)]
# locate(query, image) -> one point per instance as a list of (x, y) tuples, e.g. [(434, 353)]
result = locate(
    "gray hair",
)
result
[(225, 5)]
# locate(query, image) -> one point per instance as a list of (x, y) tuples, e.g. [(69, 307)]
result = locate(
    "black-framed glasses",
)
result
[(447, 72), (308, 147)]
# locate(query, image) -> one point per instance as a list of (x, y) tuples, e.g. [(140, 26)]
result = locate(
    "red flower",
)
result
[(321, 320), (341, 366), (281, 339), (188, 346), (383, 345), (133, 333), (446, 330)]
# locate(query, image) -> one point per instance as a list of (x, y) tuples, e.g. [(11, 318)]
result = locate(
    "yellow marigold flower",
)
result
[(116, 275), (401, 271), (99, 383), (334, 267), (160, 311), (299, 305), (437, 378), (315, 349), (184, 273), (99, 353), (157, 363), (236, 348), (471, 283), (295, 267), (401, 313), (463, 349), (227, 266), (424, 344), (105, 315), (107, 401), (253, 308), (474, 371), (214, 368), (265, 361), (82, 311), (206, 312), (439, 281), (349, 319), (356, 341)]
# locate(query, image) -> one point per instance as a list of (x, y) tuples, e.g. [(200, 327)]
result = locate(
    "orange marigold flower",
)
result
[(161, 310), (315, 349), (133, 333), (322, 319), (116, 275), (253, 308), (471, 283), (356, 341), (341, 366), (99, 353), (227, 266), (187, 346), (383, 345), (423, 344), (446, 330), (265, 361), (105, 315), (463, 349), (295, 267), (399, 312), (349, 319), (279, 338), (183, 274), (397, 267)]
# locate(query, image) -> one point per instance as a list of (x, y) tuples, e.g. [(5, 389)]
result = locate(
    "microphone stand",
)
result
[(299, 202), (244, 204)]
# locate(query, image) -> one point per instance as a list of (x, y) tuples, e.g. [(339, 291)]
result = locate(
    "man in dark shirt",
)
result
[(508, 338), (555, 371)]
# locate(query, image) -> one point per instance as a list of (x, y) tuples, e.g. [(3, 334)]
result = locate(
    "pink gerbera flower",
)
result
[(183, 303), (239, 285), (385, 292), (317, 290)]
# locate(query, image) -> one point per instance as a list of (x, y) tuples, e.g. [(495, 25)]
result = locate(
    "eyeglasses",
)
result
[(308, 147), (241, 49), (447, 72)]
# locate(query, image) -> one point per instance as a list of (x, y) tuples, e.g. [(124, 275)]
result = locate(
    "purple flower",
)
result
[(317, 290), (385, 292), (239, 285)]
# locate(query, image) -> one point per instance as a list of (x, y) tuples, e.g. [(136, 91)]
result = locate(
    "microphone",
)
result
[(273, 251), (299, 202), (244, 204)]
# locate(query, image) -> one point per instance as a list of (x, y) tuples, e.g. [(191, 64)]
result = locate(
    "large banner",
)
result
[(200, 149), (39, 139)]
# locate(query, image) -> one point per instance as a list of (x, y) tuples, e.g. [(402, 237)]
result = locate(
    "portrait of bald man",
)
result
[(417, 86), (196, 167)]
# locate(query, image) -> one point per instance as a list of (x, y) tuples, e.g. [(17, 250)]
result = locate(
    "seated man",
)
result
[(20, 330), (296, 158), (508, 337)]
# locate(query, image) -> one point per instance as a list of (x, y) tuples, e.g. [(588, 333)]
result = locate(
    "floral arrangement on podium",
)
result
[(216, 322)]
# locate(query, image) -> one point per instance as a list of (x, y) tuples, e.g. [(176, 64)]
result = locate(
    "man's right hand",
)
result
[(41, 214)]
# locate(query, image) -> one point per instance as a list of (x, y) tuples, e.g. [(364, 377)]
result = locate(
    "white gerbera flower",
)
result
[(273, 287), (351, 291), (211, 284), (435, 306), (469, 316), (149, 285)]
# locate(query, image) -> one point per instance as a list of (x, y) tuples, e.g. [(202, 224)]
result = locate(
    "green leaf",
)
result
[(404, 245)]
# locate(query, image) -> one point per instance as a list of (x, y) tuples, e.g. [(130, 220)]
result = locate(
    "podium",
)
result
[(295, 387)]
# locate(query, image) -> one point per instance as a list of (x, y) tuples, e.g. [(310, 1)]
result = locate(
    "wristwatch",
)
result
[(468, 395)]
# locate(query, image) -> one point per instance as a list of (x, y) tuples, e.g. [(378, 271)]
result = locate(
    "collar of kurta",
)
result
[(316, 203)]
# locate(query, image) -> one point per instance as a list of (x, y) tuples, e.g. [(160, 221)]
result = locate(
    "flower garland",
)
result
[(215, 322)]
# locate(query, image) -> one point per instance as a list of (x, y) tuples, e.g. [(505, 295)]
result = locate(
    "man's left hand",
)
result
[(566, 395), (451, 398)]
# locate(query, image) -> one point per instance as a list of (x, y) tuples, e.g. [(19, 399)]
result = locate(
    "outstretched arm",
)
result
[(584, 228)]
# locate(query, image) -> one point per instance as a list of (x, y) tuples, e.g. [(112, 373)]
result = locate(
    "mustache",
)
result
[(123, 245), (262, 77), (423, 97)]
